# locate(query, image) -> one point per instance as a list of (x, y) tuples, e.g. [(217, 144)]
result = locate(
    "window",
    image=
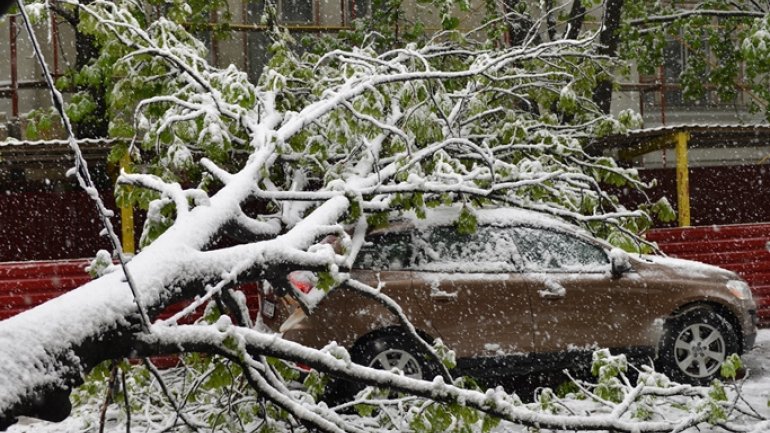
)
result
[(547, 250), (677, 57), (297, 11), (359, 9), (390, 251), (443, 249)]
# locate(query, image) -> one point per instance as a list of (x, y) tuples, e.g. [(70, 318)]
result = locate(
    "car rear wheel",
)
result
[(398, 359), (396, 351), (386, 352), (696, 344)]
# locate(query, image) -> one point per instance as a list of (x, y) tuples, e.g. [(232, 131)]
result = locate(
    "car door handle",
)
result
[(550, 294), (443, 296)]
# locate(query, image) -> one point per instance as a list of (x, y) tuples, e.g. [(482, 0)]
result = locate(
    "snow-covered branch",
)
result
[(280, 165)]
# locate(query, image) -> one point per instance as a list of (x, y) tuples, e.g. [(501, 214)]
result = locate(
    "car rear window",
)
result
[(390, 251), (443, 249), (548, 250)]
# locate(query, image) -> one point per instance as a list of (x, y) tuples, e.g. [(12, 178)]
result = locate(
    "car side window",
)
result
[(549, 250), (386, 252), (443, 249)]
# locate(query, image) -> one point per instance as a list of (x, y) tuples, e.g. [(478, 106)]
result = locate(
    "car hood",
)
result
[(688, 269)]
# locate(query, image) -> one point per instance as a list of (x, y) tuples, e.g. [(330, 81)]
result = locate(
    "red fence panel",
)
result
[(24, 285), (742, 248)]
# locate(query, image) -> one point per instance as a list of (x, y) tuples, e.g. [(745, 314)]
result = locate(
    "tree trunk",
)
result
[(608, 39), (575, 21), (518, 26), (47, 350), (96, 124)]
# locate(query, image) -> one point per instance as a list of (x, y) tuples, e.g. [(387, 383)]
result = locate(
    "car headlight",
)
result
[(740, 289)]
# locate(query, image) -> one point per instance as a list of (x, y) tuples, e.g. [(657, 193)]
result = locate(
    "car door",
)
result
[(382, 263), (576, 302), (463, 281)]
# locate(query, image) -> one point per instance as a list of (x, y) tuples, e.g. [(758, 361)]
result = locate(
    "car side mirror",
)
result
[(620, 262)]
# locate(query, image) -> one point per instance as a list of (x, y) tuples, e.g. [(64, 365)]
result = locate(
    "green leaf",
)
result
[(490, 422), (466, 223), (731, 366), (365, 410), (315, 383), (325, 281), (717, 391), (450, 23)]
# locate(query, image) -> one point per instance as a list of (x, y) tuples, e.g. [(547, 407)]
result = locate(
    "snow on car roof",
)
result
[(444, 216)]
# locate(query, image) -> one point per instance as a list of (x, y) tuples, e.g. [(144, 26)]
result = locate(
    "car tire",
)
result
[(695, 345), (389, 350), (396, 351)]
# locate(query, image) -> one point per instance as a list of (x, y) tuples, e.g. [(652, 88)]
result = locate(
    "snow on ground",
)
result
[(756, 390), (757, 387)]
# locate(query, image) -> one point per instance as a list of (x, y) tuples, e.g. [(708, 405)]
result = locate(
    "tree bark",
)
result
[(518, 27), (47, 350), (550, 20), (575, 21), (95, 125), (608, 40)]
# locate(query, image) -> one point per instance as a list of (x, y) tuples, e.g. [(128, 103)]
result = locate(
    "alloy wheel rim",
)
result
[(699, 350), (399, 359)]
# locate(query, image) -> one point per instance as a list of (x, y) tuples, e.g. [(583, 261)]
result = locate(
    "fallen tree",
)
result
[(323, 142)]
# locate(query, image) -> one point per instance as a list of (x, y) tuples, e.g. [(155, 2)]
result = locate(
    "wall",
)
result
[(733, 194)]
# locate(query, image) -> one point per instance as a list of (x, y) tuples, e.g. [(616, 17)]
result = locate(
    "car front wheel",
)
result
[(696, 344)]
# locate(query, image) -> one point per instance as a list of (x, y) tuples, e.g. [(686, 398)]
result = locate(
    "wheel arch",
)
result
[(718, 308), (393, 330)]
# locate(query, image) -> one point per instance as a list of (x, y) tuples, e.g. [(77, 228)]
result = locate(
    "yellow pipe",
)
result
[(127, 214), (682, 179)]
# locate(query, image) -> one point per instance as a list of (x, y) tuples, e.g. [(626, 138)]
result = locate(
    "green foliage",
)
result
[(547, 400), (723, 54), (99, 264), (569, 388), (445, 354), (716, 412), (171, 139), (287, 372), (466, 223), (377, 219), (436, 418), (315, 384), (40, 124), (644, 410), (325, 281), (521, 126), (731, 366), (607, 368), (663, 210)]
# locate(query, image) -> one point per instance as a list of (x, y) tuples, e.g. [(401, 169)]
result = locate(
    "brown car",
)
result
[(525, 293)]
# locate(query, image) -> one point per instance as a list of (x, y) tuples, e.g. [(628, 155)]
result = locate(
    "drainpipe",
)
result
[(14, 125), (14, 70), (214, 20), (55, 45), (127, 214), (682, 179)]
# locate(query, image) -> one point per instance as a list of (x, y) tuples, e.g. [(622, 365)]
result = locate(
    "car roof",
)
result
[(499, 216)]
